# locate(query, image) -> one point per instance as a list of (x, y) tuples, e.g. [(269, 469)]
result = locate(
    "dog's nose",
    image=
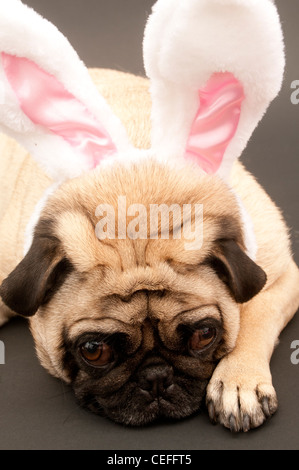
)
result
[(156, 379)]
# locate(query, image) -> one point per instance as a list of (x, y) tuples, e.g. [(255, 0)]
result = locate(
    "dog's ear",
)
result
[(36, 278), (244, 277)]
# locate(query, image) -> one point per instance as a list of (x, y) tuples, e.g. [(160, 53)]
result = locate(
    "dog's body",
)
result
[(140, 284)]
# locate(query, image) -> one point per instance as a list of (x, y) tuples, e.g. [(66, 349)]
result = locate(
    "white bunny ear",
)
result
[(215, 66), (48, 102)]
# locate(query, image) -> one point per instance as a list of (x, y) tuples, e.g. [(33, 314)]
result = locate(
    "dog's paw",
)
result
[(240, 396)]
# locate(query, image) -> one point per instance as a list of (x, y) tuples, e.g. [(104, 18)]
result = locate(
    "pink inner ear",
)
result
[(47, 103), (216, 121)]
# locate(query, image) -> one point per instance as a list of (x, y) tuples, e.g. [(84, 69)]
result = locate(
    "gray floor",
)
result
[(39, 412)]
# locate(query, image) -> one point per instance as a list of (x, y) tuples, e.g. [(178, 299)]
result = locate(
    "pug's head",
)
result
[(135, 325)]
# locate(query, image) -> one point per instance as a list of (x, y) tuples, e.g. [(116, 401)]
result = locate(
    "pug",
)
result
[(144, 328)]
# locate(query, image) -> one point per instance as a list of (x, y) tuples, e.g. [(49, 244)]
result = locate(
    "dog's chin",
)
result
[(133, 407)]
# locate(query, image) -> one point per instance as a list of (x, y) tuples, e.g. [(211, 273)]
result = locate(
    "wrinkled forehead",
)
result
[(125, 302), (182, 250), (139, 216)]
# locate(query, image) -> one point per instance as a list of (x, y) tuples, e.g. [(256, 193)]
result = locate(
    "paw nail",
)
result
[(246, 423), (233, 424), (265, 407), (212, 412)]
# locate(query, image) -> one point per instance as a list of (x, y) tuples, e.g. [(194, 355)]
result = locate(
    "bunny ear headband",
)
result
[(214, 68)]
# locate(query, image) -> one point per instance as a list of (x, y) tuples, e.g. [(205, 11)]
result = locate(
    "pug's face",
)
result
[(136, 326)]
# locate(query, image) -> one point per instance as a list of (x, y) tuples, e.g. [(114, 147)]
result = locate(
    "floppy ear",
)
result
[(35, 280), (244, 277), (214, 67), (49, 103)]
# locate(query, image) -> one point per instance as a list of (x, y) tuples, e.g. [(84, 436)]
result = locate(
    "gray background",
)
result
[(38, 411)]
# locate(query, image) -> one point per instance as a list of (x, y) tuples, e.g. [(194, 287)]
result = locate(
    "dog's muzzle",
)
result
[(155, 379)]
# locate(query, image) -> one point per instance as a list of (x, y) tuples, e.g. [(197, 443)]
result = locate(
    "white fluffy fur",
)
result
[(186, 42), (24, 33)]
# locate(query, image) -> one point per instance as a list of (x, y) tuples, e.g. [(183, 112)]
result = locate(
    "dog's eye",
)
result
[(96, 353), (202, 338)]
